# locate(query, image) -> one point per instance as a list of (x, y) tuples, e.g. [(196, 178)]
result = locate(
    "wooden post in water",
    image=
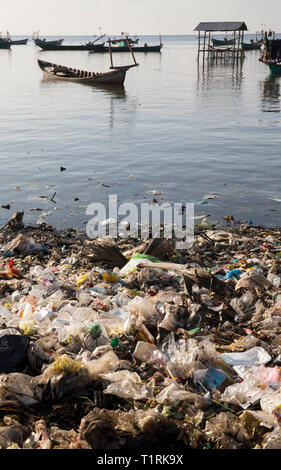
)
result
[(234, 45), (242, 48), (199, 45), (209, 43), (204, 46)]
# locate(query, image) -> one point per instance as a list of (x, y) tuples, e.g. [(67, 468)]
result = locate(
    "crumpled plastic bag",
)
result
[(67, 365), (243, 394), (17, 386), (126, 384), (143, 310), (253, 357), (175, 392), (252, 281), (109, 362), (184, 356), (23, 245)]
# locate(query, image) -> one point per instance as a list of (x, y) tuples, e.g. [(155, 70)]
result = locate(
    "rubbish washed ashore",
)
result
[(133, 344)]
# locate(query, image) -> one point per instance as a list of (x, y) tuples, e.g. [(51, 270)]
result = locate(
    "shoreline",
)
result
[(96, 329)]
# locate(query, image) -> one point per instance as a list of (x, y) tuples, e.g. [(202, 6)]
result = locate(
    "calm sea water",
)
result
[(181, 130)]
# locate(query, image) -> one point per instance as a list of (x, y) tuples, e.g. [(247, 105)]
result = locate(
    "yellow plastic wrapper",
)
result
[(109, 277), (27, 327), (81, 280), (65, 364)]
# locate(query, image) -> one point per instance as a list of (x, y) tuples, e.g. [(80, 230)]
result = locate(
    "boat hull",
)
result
[(41, 43), (218, 42), (136, 48), (5, 44), (114, 77), (20, 42), (249, 46), (70, 47), (274, 68)]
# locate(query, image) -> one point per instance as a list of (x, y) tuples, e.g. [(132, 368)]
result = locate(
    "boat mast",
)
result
[(129, 45)]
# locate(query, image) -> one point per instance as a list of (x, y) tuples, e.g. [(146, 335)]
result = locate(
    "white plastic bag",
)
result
[(253, 357)]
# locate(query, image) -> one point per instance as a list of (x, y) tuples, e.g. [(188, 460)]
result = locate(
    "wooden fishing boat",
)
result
[(222, 42), (122, 39), (5, 43), (252, 45), (144, 48), (123, 47), (116, 76), (74, 47), (275, 67), (271, 55), (19, 42), (43, 42)]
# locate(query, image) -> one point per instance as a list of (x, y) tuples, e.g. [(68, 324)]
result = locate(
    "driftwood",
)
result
[(107, 252), (15, 222)]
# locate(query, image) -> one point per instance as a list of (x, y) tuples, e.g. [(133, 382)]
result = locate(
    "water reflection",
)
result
[(228, 75), (270, 101), (117, 90)]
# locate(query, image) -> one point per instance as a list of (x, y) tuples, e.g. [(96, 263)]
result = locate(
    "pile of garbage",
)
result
[(128, 344)]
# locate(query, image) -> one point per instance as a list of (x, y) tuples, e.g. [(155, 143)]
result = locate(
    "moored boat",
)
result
[(144, 48), (132, 40), (60, 72), (271, 55), (19, 42), (74, 47), (5, 43), (275, 67), (43, 42), (222, 42), (115, 76), (252, 45)]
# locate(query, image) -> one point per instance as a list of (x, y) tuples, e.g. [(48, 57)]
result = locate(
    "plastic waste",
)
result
[(274, 279), (144, 310), (133, 264), (233, 274), (175, 392), (67, 365), (13, 353), (27, 327), (252, 357), (109, 362), (126, 384), (23, 245), (143, 351)]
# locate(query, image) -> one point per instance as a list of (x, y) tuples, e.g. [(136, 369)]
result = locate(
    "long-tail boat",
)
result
[(5, 42), (43, 42), (253, 45), (115, 76), (19, 42), (222, 42), (89, 46), (271, 55)]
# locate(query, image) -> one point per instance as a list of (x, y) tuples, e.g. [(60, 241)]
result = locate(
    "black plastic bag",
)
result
[(13, 353)]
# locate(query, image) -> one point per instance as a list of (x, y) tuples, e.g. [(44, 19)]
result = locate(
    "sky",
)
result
[(142, 17)]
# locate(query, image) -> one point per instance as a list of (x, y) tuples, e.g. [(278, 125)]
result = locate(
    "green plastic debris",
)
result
[(115, 342), (94, 330), (193, 332)]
